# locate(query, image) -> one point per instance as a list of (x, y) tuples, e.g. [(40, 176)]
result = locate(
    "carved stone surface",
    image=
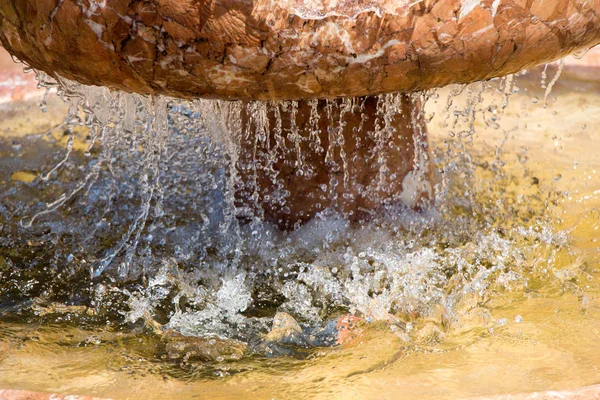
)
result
[(292, 49)]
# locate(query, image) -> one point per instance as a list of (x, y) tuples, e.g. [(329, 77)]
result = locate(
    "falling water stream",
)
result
[(128, 269)]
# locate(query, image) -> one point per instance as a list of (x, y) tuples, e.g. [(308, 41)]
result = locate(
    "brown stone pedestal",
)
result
[(350, 155)]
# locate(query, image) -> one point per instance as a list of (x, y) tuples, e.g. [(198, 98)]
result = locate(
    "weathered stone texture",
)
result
[(291, 49)]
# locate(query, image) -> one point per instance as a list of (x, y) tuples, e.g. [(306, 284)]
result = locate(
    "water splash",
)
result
[(561, 65), (157, 224)]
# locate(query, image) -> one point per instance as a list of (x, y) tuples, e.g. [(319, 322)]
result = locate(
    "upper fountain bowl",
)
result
[(291, 49)]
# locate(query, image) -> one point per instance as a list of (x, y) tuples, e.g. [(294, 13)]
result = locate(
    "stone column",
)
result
[(353, 155)]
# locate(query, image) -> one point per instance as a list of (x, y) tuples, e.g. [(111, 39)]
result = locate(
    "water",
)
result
[(128, 236)]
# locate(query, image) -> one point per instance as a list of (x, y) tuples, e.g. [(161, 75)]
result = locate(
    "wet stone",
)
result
[(280, 52), (429, 334), (326, 336), (288, 336), (348, 329), (287, 331), (206, 349)]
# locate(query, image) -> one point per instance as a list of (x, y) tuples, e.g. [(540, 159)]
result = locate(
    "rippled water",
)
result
[(491, 289)]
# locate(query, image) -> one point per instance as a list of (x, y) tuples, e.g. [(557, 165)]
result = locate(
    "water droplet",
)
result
[(518, 319), (580, 54)]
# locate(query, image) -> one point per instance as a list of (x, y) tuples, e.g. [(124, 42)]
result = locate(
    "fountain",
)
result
[(252, 190), (278, 50)]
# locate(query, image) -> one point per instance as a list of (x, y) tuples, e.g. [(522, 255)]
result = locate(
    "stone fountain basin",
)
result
[(292, 49)]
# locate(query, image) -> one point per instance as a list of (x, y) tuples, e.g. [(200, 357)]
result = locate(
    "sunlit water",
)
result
[(493, 288)]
